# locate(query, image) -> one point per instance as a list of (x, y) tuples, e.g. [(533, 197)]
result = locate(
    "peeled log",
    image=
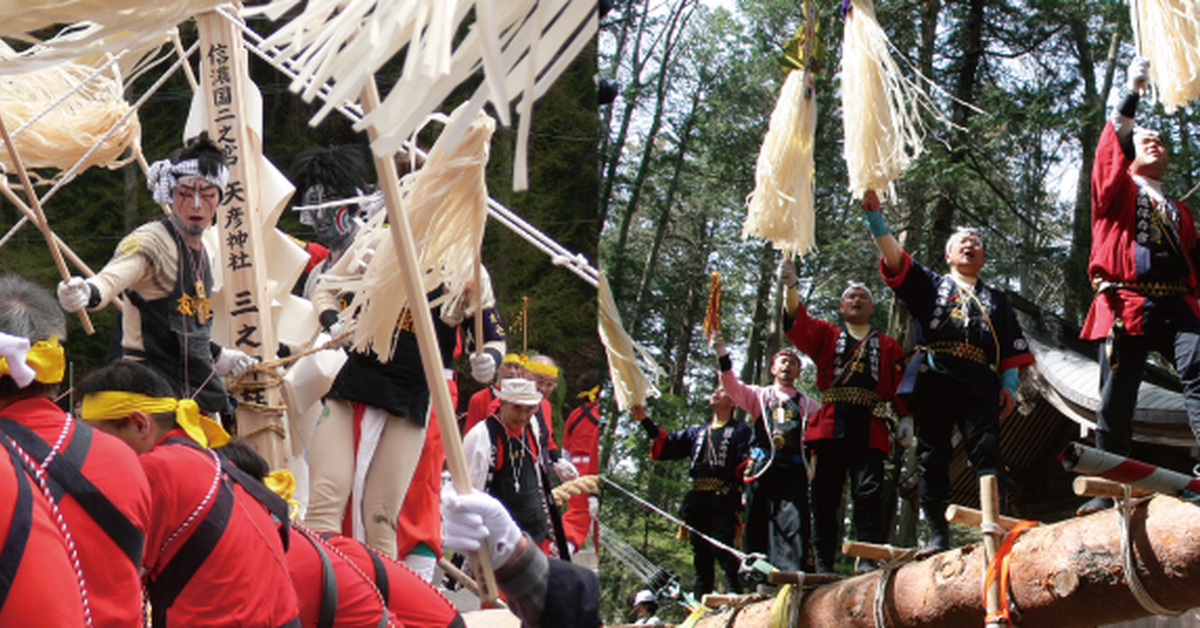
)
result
[(1061, 575)]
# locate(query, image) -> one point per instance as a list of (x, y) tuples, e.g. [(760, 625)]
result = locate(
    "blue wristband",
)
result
[(875, 224), (1009, 379)]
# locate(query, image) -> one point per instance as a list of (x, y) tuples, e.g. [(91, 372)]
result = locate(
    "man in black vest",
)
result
[(507, 457), (165, 272)]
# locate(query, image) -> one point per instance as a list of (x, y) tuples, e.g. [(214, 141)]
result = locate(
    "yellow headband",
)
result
[(46, 359), (543, 369), (109, 405), (518, 358), (283, 483), (590, 395)]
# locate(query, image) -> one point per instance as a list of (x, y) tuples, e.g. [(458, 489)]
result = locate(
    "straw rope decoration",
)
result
[(94, 27), (881, 119), (780, 208), (522, 46), (584, 484), (60, 136), (630, 384), (1167, 32), (446, 204), (712, 312)]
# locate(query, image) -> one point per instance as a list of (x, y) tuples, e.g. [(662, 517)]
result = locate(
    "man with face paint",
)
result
[(1143, 269), (163, 270), (777, 515), (329, 180), (374, 405)]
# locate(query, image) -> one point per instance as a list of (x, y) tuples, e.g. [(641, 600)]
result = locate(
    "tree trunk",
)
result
[(610, 151), (1061, 575), (664, 216), (672, 41), (1079, 294), (964, 92)]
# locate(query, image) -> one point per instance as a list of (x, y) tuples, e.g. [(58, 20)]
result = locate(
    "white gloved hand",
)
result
[(719, 345), (476, 519), (904, 431), (483, 367), (565, 469), (74, 294), (336, 330), (593, 506), (1137, 76), (232, 362), (787, 273)]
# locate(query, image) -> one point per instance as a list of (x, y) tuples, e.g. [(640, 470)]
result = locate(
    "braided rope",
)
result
[(39, 474), (370, 580), (880, 606), (1128, 560), (583, 484), (212, 490)]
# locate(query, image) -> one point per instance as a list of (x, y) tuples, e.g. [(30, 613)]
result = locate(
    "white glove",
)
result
[(232, 362), (719, 345), (1137, 76), (565, 469), (593, 506), (787, 273), (74, 294), (904, 431), (483, 367), (476, 519), (336, 330)]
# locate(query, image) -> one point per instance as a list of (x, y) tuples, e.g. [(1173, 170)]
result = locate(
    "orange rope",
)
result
[(998, 566)]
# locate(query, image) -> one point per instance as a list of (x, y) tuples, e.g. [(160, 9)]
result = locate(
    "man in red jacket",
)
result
[(1143, 268), (95, 482), (216, 537), (38, 584), (858, 369)]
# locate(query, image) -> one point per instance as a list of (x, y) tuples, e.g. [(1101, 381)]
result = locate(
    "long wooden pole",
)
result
[(40, 219), (431, 359), (989, 500), (1064, 575)]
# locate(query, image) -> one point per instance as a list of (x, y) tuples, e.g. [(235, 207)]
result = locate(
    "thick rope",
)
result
[(588, 484), (1128, 560), (880, 606)]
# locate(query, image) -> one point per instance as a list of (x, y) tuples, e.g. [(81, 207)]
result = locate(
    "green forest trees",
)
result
[(1020, 92)]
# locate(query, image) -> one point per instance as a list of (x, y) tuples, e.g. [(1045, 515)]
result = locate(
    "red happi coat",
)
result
[(1116, 255), (819, 340)]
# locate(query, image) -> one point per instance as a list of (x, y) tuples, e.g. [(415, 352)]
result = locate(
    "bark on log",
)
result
[(1061, 575)]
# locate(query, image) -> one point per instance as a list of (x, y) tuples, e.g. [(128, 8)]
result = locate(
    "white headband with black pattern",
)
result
[(163, 176)]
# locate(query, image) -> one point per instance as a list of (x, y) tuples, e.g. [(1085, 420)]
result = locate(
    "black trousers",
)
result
[(836, 459), (941, 403), (778, 524), (716, 516), (1122, 363)]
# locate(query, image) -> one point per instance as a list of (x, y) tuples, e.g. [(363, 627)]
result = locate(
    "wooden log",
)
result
[(1087, 486), (802, 578), (1062, 575)]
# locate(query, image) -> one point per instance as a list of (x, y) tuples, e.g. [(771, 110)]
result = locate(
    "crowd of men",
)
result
[(781, 477), (140, 488), (203, 522)]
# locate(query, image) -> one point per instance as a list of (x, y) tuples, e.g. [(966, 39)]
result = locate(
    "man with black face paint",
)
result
[(164, 271), (331, 184)]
